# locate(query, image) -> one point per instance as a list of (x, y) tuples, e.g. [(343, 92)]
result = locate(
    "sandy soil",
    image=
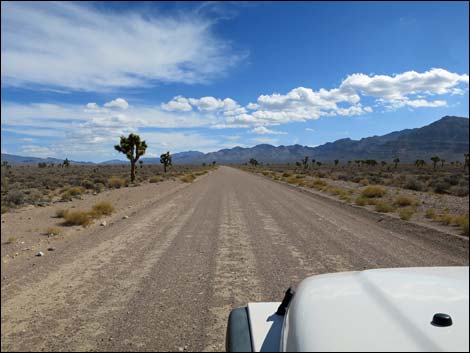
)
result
[(166, 277)]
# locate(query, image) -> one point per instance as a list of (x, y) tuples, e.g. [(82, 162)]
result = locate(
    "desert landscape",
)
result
[(234, 176), (175, 256)]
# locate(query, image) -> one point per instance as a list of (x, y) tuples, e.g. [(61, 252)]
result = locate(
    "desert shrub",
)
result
[(444, 218), (116, 182), (88, 184), (441, 187), (5, 209), (188, 178), (35, 196), (286, 174), (102, 208), (430, 213), (98, 187), (373, 191), (61, 213), (76, 190), (459, 190), (361, 201), (155, 179), (66, 196), (406, 213), (452, 180), (15, 197), (77, 218), (404, 201), (52, 231), (414, 184), (462, 222), (364, 182), (384, 207), (10, 240)]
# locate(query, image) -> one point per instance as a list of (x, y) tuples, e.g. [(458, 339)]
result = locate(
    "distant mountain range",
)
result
[(448, 138)]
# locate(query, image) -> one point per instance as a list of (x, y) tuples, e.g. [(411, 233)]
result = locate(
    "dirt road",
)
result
[(166, 278)]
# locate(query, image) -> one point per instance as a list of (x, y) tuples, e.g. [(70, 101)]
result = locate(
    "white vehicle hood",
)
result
[(379, 310)]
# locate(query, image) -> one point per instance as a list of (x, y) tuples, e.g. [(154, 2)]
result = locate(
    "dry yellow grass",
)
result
[(406, 213), (61, 213), (155, 179), (373, 191), (116, 182), (189, 178), (102, 208), (77, 218), (404, 201), (53, 231), (462, 222), (383, 207)]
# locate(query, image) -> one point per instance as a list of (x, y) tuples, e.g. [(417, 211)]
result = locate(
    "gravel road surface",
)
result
[(167, 277)]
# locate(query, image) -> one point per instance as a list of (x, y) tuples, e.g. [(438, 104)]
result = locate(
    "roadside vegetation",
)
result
[(426, 191), (44, 183)]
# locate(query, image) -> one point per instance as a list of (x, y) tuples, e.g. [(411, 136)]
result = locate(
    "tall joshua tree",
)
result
[(336, 162), (435, 160), (467, 157), (133, 148), (305, 162), (420, 163), (165, 159), (396, 161)]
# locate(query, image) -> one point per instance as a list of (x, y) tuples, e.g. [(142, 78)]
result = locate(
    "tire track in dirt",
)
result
[(235, 282), (175, 289)]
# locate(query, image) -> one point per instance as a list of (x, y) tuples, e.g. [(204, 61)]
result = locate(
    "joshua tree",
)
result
[(358, 162), (313, 162), (435, 160), (319, 164), (467, 156), (253, 162), (165, 159), (214, 162), (133, 148), (336, 162), (420, 163), (298, 164), (383, 163), (66, 162), (305, 162), (442, 163), (396, 161)]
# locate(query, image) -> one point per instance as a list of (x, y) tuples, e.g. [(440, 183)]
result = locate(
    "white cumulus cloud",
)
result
[(118, 103)]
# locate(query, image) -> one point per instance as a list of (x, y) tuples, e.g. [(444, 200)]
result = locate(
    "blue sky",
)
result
[(206, 76)]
